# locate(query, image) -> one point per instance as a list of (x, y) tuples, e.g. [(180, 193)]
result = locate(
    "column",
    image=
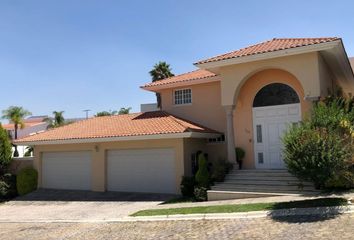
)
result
[(230, 138)]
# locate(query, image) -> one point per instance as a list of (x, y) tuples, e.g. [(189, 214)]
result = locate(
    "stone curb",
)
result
[(210, 216)]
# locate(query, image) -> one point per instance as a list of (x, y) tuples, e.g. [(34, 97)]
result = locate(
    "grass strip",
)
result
[(231, 208)]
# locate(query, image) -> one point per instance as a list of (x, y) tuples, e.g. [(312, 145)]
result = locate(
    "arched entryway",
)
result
[(275, 107)]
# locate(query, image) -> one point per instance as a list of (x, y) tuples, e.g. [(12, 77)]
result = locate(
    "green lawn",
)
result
[(323, 202)]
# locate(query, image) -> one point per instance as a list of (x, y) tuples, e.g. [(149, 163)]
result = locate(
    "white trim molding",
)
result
[(117, 139)]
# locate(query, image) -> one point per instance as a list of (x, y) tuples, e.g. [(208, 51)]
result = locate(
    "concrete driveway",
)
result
[(49, 205)]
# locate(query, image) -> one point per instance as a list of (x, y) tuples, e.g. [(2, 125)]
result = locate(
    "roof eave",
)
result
[(268, 55), (118, 139), (182, 83)]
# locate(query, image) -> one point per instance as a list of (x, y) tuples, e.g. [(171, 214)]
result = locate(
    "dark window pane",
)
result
[(275, 94), (260, 158), (259, 133)]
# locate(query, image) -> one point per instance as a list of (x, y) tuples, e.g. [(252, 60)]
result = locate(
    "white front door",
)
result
[(269, 124)]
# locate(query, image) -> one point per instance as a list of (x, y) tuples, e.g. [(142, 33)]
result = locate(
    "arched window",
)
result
[(275, 94)]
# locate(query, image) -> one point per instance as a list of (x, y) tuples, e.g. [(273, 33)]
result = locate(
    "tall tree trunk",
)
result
[(158, 99), (16, 151)]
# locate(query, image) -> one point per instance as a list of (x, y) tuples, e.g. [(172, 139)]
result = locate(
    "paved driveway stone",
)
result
[(76, 205), (295, 227)]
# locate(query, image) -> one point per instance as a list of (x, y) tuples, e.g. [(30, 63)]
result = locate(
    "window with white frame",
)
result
[(183, 96)]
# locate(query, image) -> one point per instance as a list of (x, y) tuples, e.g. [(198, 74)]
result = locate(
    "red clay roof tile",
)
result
[(136, 124), (189, 76), (275, 44)]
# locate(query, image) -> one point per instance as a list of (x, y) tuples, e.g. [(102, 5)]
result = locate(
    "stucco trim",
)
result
[(129, 138), (264, 56)]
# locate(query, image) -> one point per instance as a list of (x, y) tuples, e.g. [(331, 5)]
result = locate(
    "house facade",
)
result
[(245, 98)]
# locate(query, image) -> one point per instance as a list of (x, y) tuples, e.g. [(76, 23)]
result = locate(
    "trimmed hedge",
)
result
[(202, 176), (27, 180)]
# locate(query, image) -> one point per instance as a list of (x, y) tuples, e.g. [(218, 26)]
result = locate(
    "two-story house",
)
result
[(244, 98)]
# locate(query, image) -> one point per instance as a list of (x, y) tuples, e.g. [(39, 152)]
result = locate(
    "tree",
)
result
[(57, 121), (112, 113), (124, 110), (160, 71), (106, 113), (5, 151), (16, 116), (29, 151)]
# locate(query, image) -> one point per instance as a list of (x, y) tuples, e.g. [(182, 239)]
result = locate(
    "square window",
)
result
[(183, 96)]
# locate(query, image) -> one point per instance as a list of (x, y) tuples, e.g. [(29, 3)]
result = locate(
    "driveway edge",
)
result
[(210, 216)]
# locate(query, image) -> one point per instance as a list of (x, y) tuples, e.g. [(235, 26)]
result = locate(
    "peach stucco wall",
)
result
[(243, 122), (99, 150), (206, 108), (305, 67)]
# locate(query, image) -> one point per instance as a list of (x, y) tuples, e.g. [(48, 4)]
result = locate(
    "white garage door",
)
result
[(66, 170), (141, 170)]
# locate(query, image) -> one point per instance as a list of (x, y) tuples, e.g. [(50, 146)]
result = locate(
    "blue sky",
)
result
[(73, 55)]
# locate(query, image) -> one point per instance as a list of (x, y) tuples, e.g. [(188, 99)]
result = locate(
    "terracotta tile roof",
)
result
[(273, 45), (137, 124), (185, 77)]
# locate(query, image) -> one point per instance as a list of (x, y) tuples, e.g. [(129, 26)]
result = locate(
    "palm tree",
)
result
[(16, 116), (160, 71), (124, 110), (57, 121)]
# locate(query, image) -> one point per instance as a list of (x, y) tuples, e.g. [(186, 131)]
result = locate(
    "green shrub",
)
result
[(202, 176), (5, 151), (200, 193), (344, 180), (187, 186), (219, 171), (26, 181), (320, 149), (8, 186), (240, 155), (229, 166)]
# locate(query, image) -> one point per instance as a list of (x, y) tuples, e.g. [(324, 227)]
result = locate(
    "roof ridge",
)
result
[(196, 70), (199, 74), (304, 38), (179, 119), (220, 55), (175, 119)]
